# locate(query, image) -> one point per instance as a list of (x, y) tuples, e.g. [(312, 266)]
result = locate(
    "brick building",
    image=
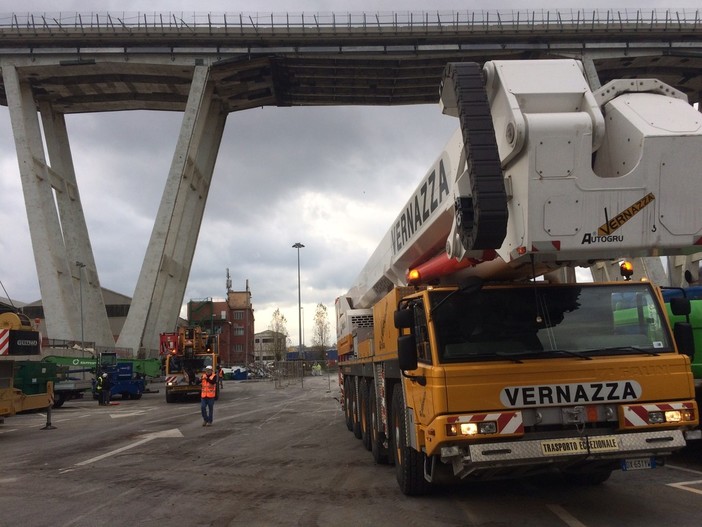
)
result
[(231, 318)]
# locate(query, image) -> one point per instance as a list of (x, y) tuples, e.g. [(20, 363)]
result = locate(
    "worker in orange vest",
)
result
[(208, 393)]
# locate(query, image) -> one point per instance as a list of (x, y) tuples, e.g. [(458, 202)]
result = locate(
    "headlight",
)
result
[(471, 429), (670, 416), (656, 418), (677, 416), (488, 427)]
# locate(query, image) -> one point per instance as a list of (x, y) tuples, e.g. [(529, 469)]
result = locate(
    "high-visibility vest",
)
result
[(209, 386)]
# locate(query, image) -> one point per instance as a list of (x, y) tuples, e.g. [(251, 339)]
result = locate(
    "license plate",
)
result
[(638, 464)]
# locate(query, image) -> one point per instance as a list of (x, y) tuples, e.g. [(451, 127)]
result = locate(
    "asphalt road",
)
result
[(282, 456)]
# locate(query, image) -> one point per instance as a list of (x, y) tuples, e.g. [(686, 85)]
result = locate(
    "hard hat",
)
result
[(104, 375), (208, 367)]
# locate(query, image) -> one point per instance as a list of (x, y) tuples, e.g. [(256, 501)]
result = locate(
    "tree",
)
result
[(320, 339), (280, 334)]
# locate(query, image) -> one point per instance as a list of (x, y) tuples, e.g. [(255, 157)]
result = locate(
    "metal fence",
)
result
[(479, 20), (287, 373)]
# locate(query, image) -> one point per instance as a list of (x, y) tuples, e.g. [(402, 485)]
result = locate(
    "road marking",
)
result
[(683, 485), (564, 515), (683, 469), (127, 414), (148, 437)]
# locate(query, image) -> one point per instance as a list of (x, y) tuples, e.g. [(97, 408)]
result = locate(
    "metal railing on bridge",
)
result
[(480, 20)]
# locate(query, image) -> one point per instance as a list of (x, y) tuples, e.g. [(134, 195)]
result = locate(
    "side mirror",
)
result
[(684, 338), (404, 319), (407, 352), (680, 306)]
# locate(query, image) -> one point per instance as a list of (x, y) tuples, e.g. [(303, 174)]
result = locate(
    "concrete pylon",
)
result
[(164, 274), (57, 228), (684, 270)]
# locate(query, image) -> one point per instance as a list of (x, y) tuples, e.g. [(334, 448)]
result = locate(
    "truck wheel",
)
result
[(58, 401), (409, 464), (378, 450), (354, 411), (363, 413), (347, 403), (170, 398)]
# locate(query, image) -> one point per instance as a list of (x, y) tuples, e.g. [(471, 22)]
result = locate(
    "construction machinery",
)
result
[(694, 294), (465, 350), (186, 354), (75, 375), (19, 342), (124, 381)]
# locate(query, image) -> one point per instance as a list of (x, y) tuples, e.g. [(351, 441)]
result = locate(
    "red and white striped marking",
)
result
[(507, 422), (4, 341), (637, 414), (546, 246)]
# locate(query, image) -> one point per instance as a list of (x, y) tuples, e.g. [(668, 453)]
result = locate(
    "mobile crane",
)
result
[(186, 353), (460, 353)]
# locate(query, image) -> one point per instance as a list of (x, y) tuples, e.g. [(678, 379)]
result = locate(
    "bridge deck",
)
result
[(100, 62)]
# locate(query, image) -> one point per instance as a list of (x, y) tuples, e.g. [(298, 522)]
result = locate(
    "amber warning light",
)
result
[(626, 269)]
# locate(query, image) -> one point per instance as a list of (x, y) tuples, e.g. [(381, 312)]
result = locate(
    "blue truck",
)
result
[(123, 380)]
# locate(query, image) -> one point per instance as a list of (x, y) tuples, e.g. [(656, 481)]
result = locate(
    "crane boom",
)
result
[(543, 172)]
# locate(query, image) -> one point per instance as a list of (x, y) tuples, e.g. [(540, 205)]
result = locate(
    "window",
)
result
[(238, 315), (548, 321), (421, 333)]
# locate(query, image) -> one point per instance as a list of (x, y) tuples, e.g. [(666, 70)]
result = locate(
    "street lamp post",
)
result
[(80, 266), (299, 246), (303, 323)]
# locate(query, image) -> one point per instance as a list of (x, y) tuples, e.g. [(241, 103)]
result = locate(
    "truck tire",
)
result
[(170, 398), (378, 450), (347, 403), (354, 411), (409, 464), (59, 400), (363, 413)]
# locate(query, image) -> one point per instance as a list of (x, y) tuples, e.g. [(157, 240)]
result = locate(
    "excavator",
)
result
[(467, 350)]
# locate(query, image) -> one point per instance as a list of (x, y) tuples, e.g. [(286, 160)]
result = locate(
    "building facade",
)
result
[(232, 319), (270, 346)]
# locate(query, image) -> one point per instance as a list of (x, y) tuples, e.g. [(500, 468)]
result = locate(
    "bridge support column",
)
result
[(684, 270), (56, 222), (164, 274)]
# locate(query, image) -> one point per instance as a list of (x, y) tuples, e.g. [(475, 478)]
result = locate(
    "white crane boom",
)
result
[(542, 173)]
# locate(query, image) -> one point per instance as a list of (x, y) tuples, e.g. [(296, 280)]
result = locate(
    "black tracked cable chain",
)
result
[(482, 217)]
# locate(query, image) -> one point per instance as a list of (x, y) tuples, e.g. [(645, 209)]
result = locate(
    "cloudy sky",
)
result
[(331, 178)]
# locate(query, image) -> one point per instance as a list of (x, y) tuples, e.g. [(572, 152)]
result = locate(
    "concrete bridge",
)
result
[(208, 65)]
